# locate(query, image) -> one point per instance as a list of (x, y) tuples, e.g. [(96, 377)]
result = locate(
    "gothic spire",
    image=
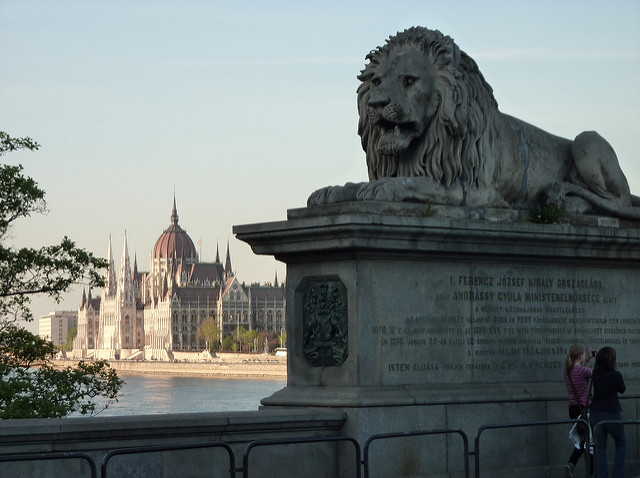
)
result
[(228, 270), (125, 281), (174, 212), (110, 274), (135, 264)]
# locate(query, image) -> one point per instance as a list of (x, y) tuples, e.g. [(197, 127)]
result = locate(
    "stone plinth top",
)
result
[(416, 228)]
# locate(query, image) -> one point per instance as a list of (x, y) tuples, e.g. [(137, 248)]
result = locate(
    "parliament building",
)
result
[(155, 315)]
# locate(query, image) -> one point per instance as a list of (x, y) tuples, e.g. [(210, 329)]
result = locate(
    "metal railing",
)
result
[(177, 447), (361, 460), (296, 441), (384, 436), (66, 455), (515, 425), (596, 428)]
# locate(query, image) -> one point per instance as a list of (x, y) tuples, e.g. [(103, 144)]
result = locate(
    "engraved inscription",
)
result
[(495, 325)]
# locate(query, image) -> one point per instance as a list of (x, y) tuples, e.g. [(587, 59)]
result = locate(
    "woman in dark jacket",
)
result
[(607, 384)]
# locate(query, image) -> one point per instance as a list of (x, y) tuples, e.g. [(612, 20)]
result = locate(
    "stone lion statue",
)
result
[(432, 132)]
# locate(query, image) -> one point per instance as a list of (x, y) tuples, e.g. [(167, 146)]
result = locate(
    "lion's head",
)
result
[(423, 108)]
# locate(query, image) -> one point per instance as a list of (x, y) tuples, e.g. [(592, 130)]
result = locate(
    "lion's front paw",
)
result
[(320, 197), (375, 191), (333, 194), (385, 189)]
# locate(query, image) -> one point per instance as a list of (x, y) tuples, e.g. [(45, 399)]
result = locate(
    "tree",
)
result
[(210, 333), (229, 343), (250, 337), (30, 386), (68, 345)]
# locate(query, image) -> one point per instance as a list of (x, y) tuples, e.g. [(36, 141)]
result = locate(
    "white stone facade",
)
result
[(150, 315)]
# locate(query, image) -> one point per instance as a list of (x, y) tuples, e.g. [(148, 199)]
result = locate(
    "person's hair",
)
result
[(606, 358), (574, 354)]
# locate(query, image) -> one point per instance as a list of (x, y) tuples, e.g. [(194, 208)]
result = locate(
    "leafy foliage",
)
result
[(26, 271), (251, 338), (548, 214), (7, 143), (228, 343), (210, 332), (30, 386), (68, 345)]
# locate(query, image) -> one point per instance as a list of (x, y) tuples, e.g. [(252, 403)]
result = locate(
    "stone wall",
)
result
[(252, 366), (98, 436)]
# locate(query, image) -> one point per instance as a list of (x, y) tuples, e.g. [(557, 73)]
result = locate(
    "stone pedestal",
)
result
[(415, 318)]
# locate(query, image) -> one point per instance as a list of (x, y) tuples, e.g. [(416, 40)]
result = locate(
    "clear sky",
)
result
[(244, 108)]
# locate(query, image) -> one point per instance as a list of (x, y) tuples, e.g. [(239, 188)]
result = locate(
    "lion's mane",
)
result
[(458, 138)]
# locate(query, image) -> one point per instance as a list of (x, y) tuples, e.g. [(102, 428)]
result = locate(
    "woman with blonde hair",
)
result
[(576, 378)]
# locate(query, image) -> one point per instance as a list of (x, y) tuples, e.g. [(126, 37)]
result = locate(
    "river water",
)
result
[(155, 394)]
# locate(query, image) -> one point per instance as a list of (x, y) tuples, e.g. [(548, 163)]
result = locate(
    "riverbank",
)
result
[(230, 366)]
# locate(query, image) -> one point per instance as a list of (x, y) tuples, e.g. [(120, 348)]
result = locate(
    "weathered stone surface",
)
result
[(457, 318), (439, 301)]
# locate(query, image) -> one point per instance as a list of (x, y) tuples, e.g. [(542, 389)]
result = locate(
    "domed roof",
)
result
[(175, 240)]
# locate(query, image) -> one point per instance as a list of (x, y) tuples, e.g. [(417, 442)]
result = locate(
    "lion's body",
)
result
[(526, 161), (432, 132)]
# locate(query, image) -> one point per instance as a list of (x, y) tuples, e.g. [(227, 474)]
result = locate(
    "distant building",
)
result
[(151, 315), (55, 326)]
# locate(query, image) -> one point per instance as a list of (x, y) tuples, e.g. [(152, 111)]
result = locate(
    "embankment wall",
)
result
[(240, 366)]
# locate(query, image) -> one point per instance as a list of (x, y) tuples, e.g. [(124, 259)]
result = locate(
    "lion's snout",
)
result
[(393, 112), (390, 115)]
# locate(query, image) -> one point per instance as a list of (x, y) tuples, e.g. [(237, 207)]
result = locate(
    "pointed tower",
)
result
[(110, 274), (228, 270), (125, 303), (174, 212), (275, 281), (125, 281), (217, 254), (174, 241)]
